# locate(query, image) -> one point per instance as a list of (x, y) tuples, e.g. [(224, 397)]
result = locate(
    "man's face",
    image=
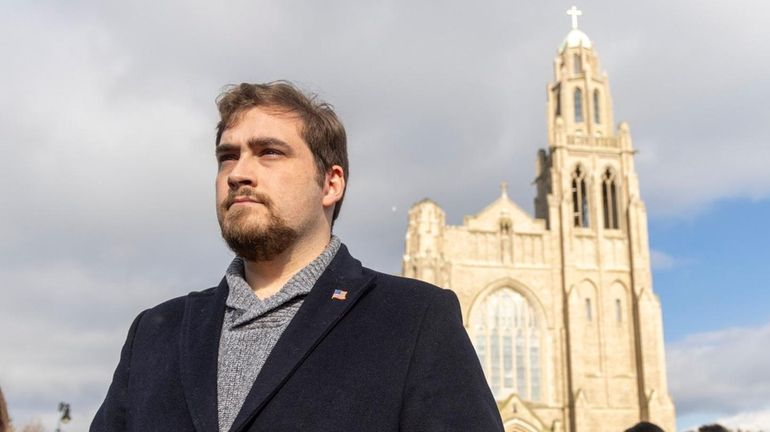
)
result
[(267, 188)]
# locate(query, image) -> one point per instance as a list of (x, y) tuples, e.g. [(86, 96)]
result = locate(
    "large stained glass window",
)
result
[(506, 335)]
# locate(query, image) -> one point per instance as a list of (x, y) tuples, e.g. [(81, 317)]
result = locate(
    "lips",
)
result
[(244, 200)]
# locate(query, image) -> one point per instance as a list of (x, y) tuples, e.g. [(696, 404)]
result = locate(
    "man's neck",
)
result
[(266, 278)]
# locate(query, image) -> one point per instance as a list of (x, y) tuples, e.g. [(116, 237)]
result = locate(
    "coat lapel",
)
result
[(201, 330), (314, 319)]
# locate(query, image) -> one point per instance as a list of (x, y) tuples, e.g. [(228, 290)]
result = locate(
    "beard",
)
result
[(252, 240)]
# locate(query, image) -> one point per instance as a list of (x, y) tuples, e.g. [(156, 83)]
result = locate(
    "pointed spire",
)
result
[(504, 189)]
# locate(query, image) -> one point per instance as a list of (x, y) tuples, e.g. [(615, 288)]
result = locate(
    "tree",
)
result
[(713, 428)]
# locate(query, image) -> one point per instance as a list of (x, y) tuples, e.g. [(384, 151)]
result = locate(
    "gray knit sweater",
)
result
[(252, 326)]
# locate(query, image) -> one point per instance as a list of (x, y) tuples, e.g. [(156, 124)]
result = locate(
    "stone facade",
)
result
[(560, 307)]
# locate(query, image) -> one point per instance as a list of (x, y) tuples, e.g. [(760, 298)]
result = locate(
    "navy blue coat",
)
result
[(393, 356)]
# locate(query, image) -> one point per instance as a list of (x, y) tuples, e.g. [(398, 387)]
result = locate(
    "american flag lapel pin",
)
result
[(339, 295)]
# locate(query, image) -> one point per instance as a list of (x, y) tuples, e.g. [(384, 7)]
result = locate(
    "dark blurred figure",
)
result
[(713, 428), (5, 421), (645, 427)]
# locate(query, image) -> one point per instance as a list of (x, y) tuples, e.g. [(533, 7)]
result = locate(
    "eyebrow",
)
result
[(226, 148), (267, 142), (253, 143)]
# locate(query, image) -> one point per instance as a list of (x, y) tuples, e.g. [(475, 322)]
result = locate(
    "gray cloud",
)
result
[(721, 372), (751, 420), (106, 174)]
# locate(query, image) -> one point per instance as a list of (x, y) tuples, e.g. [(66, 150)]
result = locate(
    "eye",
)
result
[(271, 152), (226, 157)]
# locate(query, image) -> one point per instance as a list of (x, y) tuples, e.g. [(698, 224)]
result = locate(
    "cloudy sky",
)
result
[(106, 170)]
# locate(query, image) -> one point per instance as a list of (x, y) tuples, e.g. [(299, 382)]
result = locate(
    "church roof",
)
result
[(425, 200), (489, 218), (575, 38)]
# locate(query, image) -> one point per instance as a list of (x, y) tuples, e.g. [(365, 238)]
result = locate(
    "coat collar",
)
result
[(201, 331), (314, 319)]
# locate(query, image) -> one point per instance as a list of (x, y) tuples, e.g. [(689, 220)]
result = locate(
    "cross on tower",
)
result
[(574, 12)]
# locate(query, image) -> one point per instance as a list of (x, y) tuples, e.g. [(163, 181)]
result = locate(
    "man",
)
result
[(298, 336)]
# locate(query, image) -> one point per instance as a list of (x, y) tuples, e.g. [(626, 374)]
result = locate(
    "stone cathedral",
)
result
[(560, 306)]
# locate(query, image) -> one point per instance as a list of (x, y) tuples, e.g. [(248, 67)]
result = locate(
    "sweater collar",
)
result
[(246, 306)]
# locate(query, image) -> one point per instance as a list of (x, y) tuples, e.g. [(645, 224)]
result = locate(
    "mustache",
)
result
[(246, 192)]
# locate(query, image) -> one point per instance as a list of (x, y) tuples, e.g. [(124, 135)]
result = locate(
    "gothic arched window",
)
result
[(577, 64), (506, 334), (610, 200), (578, 102), (580, 199), (505, 225), (597, 107), (589, 310)]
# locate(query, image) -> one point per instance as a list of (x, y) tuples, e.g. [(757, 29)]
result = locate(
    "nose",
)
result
[(242, 174)]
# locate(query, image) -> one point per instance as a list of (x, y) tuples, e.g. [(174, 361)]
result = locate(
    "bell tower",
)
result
[(588, 194), (580, 93)]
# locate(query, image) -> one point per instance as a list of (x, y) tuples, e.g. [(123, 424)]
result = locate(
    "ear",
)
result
[(334, 186)]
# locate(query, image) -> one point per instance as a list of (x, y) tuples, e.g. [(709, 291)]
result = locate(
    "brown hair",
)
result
[(5, 421), (321, 129)]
